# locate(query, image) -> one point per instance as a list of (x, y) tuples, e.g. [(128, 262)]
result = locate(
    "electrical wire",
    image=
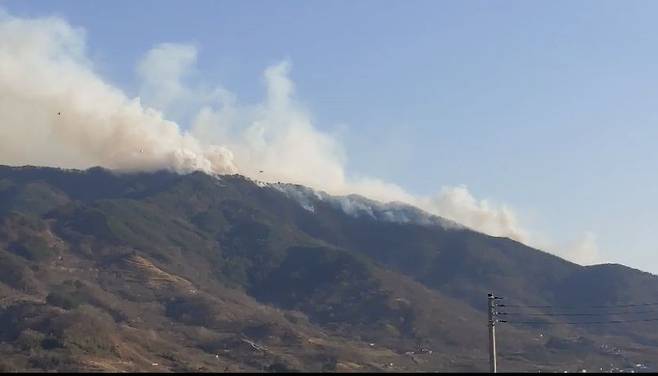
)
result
[(576, 314), (577, 307), (517, 317), (577, 322)]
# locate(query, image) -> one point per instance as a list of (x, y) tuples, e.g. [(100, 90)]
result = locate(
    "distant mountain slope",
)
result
[(158, 271)]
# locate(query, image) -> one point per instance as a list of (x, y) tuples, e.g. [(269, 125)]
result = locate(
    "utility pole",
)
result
[(491, 300)]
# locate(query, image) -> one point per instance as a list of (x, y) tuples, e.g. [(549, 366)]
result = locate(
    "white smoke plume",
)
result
[(162, 71), (278, 138), (457, 202), (56, 111), (585, 250)]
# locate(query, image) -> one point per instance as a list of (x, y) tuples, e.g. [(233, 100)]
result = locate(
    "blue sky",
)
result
[(548, 107)]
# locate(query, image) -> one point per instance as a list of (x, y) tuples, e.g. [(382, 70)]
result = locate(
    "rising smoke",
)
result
[(56, 111)]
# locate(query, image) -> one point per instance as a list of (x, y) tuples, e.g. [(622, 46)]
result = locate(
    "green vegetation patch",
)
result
[(32, 248), (15, 273)]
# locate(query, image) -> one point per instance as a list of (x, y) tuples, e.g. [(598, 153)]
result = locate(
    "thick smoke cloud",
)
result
[(457, 202), (162, 71), (278, 138), (56, 111)]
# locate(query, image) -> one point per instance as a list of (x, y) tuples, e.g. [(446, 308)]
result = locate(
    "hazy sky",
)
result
[(549, 107)]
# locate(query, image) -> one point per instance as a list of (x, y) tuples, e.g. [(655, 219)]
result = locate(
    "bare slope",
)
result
[(166, 272)]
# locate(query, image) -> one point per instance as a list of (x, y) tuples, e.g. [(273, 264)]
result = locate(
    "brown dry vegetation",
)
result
[(161, 272)]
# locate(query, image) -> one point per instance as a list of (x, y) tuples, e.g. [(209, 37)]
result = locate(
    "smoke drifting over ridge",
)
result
[(56, 111)]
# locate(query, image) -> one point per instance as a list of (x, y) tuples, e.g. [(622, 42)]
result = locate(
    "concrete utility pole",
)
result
[(491, 300)]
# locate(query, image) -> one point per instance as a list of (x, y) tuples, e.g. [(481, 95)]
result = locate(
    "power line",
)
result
[(577, 322), (517, 318), (576, 314), (578, 307), (514, 320)]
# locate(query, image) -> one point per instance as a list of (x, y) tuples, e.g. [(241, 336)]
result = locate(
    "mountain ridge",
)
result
[(194, 271)]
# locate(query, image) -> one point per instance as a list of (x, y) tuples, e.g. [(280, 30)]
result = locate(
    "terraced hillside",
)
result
[(164, 272)]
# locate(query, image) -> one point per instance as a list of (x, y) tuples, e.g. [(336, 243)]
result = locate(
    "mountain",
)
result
[(101, 271)]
